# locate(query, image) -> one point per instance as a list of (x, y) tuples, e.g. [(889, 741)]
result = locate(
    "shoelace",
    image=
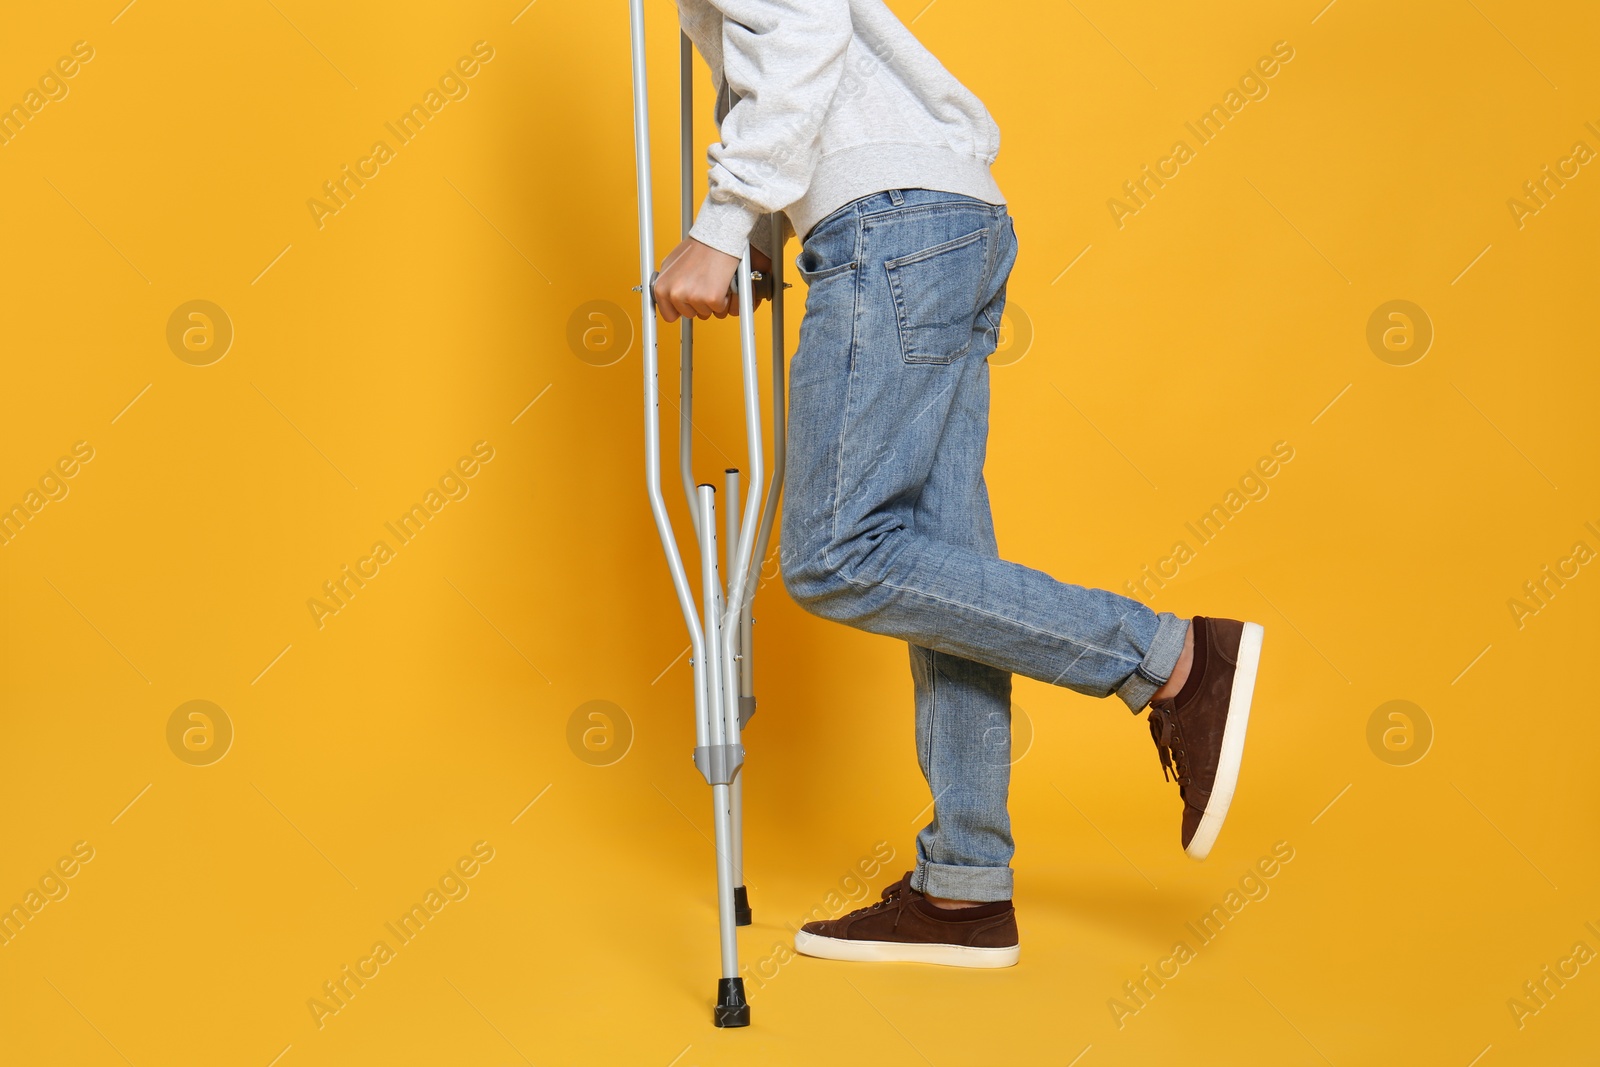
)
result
[(1164, 730), (893, 894)]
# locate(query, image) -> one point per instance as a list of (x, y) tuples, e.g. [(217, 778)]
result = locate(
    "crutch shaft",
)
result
[(721, 783)]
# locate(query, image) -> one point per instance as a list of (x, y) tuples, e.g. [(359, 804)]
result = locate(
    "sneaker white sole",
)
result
[(1228, 760), (834, 948)]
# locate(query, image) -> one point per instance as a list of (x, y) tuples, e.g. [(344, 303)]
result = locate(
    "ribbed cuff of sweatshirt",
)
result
[(724, 225)]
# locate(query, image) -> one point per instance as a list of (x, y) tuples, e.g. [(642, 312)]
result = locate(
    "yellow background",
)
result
[(371, 353)]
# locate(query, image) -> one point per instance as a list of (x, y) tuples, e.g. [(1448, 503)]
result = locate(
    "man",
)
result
[(832, 113)]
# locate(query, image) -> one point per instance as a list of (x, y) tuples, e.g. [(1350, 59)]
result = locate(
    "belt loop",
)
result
[(896, 197)]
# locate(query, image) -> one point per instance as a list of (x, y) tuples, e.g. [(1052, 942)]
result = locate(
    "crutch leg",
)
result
[(741, 896), (719, 761), (742, 564)]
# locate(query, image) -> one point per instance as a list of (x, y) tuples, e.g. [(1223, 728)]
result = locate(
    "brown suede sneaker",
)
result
[(904, 927), (1200, 732)]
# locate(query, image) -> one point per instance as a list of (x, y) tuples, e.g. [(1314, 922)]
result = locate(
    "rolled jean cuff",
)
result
[(962, 883), (1158, 663)]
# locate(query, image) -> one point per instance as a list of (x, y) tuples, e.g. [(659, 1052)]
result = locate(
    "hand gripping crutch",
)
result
[(720, 642)]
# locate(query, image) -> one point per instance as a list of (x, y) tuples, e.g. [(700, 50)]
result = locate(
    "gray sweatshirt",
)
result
[(821, 102)]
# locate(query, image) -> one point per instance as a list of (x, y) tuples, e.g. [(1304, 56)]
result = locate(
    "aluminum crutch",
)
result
[(719, 644), (772, 287)]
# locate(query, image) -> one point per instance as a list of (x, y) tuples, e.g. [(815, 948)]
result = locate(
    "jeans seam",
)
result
[(1070, 642), (924, 208), (933, 708), (849, 392), (991, 259)]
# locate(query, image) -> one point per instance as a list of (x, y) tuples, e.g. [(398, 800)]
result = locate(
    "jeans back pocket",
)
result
[(933, 291)]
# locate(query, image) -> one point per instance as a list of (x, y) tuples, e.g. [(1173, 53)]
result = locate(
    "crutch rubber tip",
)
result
[(741, 907), (732, 1009)]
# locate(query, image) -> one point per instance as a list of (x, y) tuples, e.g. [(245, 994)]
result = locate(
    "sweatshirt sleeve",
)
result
[(783, 59), (761, 235)]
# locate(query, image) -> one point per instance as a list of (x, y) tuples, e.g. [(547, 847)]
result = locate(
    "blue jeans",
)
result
[(886, 523)]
